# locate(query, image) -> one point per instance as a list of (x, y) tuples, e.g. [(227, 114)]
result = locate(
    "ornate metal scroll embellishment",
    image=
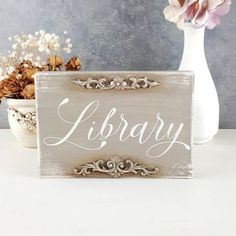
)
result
[(27, 120), (115, 167), (119, 83)]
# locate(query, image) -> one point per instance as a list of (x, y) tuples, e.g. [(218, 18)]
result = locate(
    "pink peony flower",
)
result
[(196, 13)]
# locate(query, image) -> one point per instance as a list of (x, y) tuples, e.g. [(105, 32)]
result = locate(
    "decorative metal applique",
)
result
[(119, 83), (115, 167), (27, 120)]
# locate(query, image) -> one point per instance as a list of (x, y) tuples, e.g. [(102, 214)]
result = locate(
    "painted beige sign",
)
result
[(114, 124)]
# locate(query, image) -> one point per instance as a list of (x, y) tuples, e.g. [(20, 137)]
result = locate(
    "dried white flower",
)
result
[(35, 48), (37, 64), (10, 69), (19, 76), (14, 46), (42, 32), (13, 54), (67, 50)]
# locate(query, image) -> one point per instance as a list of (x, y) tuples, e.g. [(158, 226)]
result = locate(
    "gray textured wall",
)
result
[(125, 35)]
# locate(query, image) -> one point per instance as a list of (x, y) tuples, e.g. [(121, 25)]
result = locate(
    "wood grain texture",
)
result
[(115, 132)]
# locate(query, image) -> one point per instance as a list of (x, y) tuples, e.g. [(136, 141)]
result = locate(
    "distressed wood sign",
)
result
[(114, 124)]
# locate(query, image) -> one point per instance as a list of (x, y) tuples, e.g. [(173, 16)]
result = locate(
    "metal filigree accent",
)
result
[(27, 120), (115, 167), (116, 83)]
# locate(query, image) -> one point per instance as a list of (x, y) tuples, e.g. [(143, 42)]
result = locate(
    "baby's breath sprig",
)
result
[(29, 54)]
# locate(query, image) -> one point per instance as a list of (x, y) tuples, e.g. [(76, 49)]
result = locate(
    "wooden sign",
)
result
[(114, 124)]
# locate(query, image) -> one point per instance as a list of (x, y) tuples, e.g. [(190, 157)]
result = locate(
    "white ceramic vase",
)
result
[(22, 121), (205, 99)]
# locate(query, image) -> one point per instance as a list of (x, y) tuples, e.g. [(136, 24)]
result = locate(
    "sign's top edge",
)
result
[(63, 73)]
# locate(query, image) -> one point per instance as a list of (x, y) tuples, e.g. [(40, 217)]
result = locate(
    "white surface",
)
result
[(204, 205)]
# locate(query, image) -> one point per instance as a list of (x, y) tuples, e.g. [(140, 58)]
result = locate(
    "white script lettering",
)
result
[(159, 138)]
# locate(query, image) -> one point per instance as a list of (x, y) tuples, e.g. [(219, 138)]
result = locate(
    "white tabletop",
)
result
[(204, 205)]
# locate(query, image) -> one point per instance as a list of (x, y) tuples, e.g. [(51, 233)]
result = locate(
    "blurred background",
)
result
[(125, 35)]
